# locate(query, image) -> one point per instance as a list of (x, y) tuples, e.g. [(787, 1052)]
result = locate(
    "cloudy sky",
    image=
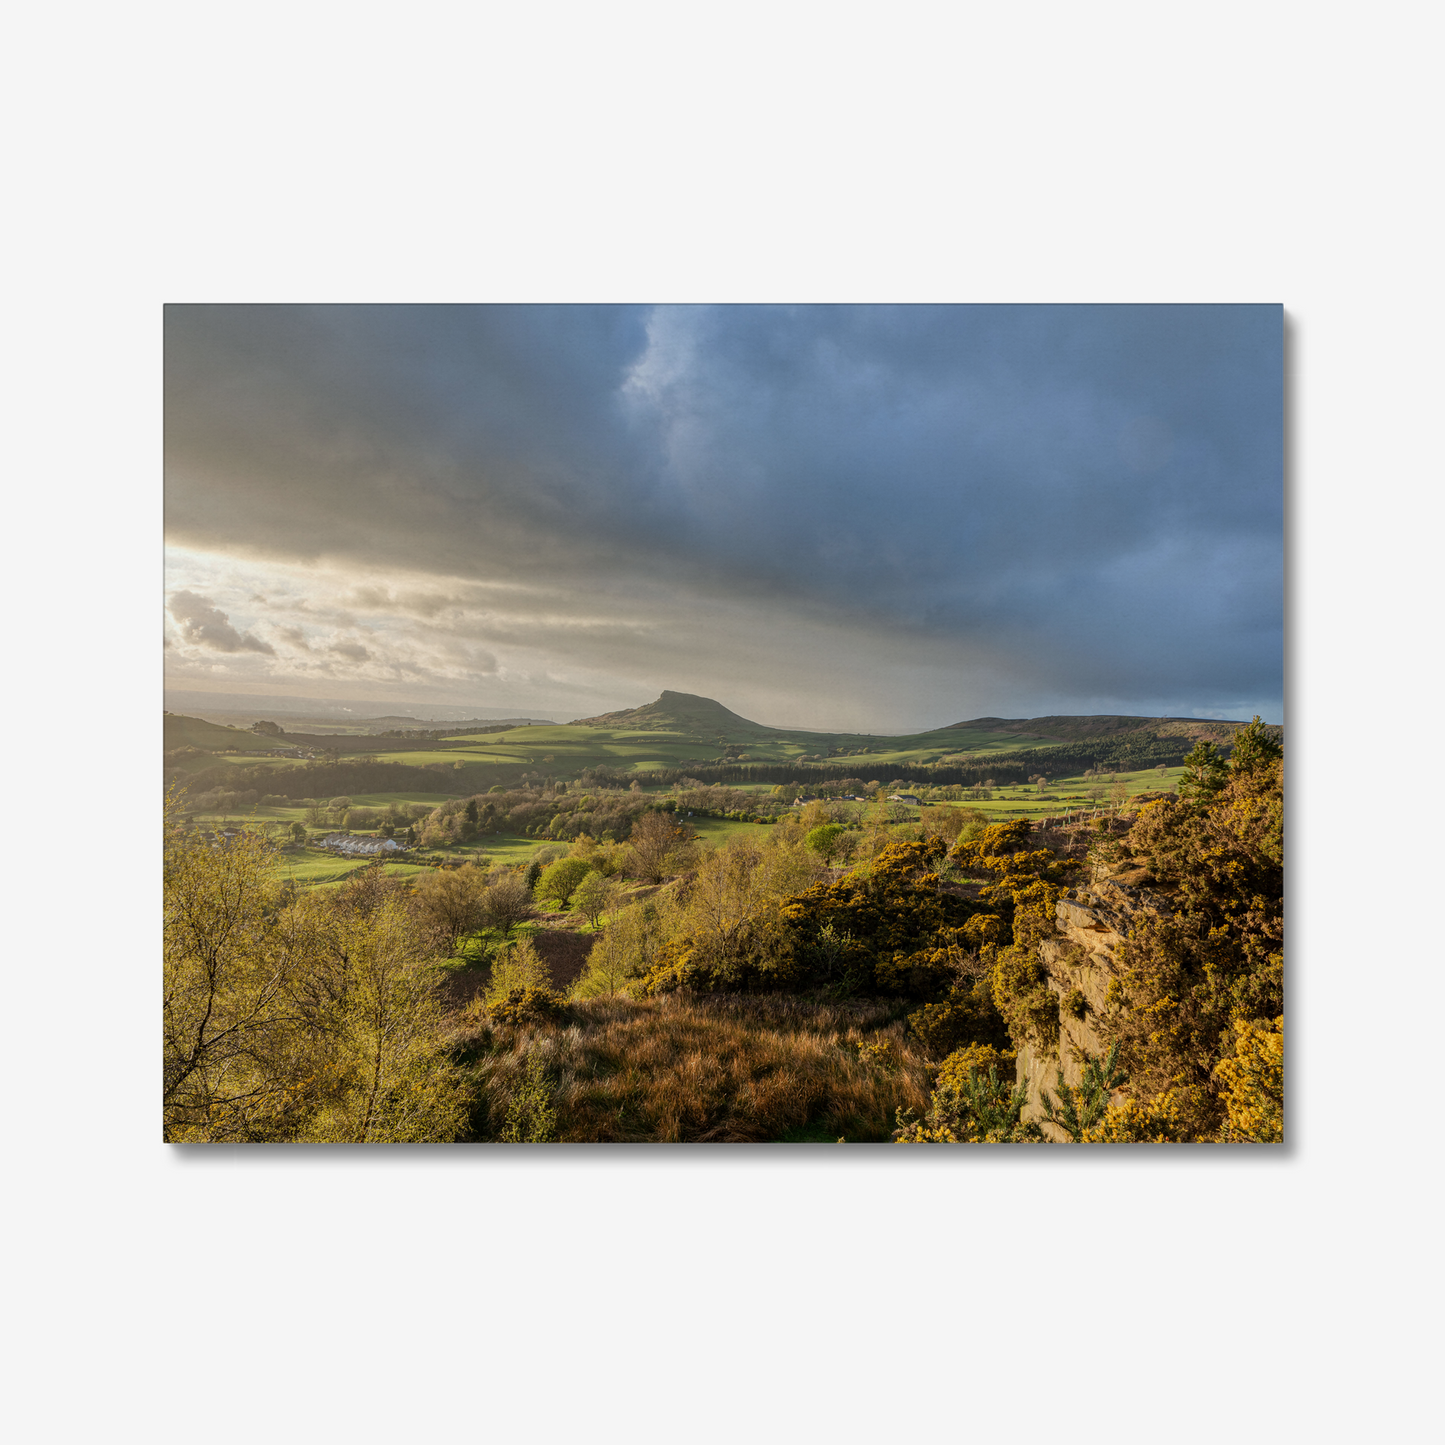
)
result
[(868, 517)]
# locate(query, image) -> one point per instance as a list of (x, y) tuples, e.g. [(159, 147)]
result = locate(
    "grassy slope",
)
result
[(722, 1069), (1070, 793), (182, 732)]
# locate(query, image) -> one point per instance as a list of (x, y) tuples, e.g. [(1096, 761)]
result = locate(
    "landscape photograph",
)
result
[(752, 724)]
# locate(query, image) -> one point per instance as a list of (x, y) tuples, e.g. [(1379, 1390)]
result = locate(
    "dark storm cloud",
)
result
[(1089, 496), (207, 626)]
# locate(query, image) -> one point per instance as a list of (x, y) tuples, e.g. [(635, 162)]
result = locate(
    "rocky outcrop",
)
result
[(1081, 960)]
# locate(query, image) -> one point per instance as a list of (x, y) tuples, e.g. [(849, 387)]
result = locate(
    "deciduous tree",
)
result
[(450, 903), (658, 845)]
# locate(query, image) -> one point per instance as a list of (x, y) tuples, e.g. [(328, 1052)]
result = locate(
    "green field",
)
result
[(1068, 795), (718, 830)]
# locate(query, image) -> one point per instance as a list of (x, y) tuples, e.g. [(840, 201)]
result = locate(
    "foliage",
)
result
[(1256, 747), (382, 1071), (1159, 1120), (529, 1005), (726, 929), (1076, 1111), (506, 902), (883, 1052), (594, 896), (1205, 773), (629, 949), (1024, 888), (833, 962), (963, 1018), (1218, 958), (823, 840), (953, 1072), (228, 1070), (896, 922), (947, 823), (974, 1109), (516, 967), (1001, 849), (531, 1116), (312, 1019), (1020, 989), (558, 880), (1253, 1080), (658, 846), (450, 903)]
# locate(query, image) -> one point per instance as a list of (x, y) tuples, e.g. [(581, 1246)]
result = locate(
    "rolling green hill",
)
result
[(681, 735), (193, 732)]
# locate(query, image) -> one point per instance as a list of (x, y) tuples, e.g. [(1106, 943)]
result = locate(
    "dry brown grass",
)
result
[(719, 1068)]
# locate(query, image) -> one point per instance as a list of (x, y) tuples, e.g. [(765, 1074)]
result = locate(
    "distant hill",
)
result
[(296, 724), (1102, 726), (333, 714), (685, 712), (681, 712), (194, 732)]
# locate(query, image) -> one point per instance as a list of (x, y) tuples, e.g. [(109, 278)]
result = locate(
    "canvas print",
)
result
[(724, 724)]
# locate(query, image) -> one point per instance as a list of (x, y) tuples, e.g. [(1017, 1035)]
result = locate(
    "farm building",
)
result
[(359, 846)]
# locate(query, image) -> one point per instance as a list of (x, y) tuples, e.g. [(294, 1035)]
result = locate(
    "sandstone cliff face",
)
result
[(1083, 958)]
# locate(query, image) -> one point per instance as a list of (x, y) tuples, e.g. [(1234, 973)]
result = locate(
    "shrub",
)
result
[(531, 1116), (943, 1027), (883, 1052), (1187, 978), (1160, 1120), (528, 1005), (979, 1109), (1253, 1079), (1077, 1111), (948, 823), (1020, 988), (978, 1059)]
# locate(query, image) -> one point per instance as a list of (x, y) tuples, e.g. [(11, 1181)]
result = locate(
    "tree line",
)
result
[(1003, 768)]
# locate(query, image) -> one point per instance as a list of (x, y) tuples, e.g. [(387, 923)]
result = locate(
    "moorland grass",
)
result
[(708, 1069)]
